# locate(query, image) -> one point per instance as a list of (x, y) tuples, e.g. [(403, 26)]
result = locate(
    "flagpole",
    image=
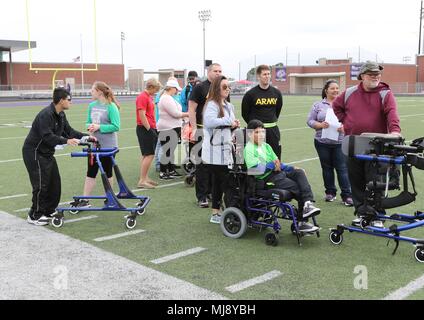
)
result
[(82, 66)]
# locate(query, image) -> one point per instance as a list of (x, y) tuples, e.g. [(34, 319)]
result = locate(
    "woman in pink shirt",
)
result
[(169, 128)]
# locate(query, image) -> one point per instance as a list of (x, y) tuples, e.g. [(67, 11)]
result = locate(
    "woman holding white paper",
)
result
[(329, 135)]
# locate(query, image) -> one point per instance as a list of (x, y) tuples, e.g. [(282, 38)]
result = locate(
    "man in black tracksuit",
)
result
[(264, 103), (49, 129)]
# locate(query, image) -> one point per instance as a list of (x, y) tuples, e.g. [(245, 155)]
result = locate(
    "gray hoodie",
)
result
[(220, 152)]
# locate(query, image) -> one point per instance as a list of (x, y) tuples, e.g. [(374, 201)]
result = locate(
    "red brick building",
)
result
[(402, 78), (24, 79)]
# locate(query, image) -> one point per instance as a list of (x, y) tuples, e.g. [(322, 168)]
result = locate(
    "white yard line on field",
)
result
[(136, 190), (12, 138), (119, 235), (178, 255), (252, 282), (12, 197), (64, 154), (159, 187), (408, 290), (294, 129), (302, 161), (80, 219), (412, 115), (26, 209)]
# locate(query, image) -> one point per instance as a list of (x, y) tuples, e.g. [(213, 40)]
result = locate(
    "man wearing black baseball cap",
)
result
[(369, 106), (192, 79)]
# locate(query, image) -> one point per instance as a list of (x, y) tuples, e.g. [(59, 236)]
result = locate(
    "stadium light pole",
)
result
[(82, 67), (421, 28), (204, 16), (122, 47)]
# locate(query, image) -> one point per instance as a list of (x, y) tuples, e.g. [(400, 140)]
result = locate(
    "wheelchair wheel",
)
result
[(419, 254), (233, 223), (336, 238), (189, 181), (293, 229), (271, 239), (140, 212)]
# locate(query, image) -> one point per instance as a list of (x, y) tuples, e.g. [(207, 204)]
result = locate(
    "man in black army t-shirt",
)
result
[(264, 103), (196, 103)]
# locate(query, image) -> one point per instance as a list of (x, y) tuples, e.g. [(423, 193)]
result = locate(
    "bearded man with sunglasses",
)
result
[(49, 129)]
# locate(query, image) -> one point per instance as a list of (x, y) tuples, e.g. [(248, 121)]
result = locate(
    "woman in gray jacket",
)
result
[(218, 121)]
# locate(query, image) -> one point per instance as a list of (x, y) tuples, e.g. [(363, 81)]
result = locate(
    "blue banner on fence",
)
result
[(280, 74), (354, 71)]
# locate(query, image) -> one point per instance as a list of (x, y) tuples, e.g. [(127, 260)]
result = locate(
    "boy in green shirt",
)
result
[(262, 162)]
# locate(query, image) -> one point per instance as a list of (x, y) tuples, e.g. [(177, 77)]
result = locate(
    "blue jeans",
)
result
[(332, 158), (158, 155)]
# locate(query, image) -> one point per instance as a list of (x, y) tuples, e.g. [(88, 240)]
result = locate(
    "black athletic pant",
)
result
[(203, 176), (294, 181), (359, 176), (273, 139), (219, 175), (45, 180), (169, 142)]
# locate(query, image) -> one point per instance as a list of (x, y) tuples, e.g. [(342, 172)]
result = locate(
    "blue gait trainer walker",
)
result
[(111, 200), (386, 159)]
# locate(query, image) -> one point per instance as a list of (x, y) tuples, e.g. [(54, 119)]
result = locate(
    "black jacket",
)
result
[(48, 130)]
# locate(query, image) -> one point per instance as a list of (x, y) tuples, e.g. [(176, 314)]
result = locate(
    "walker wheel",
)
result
[(419, 254), (141, 203), (131, 223), (336, 238), (188, 167), (140, 212), (73, 211), (364, 223), (57, 222), (271, 239)]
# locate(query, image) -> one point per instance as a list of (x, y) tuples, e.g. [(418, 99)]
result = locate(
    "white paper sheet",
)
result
[(331, 132)]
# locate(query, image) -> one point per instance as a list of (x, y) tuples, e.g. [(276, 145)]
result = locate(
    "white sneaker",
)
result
[(307, 227), (310, 210), (42, 221), (356, 222), (216, 218), (377, 224)]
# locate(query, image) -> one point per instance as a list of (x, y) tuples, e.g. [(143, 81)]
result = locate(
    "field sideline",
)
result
[(179, 241)]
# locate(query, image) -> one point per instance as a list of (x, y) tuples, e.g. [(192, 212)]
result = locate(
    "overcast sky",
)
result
[(168, 34)]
